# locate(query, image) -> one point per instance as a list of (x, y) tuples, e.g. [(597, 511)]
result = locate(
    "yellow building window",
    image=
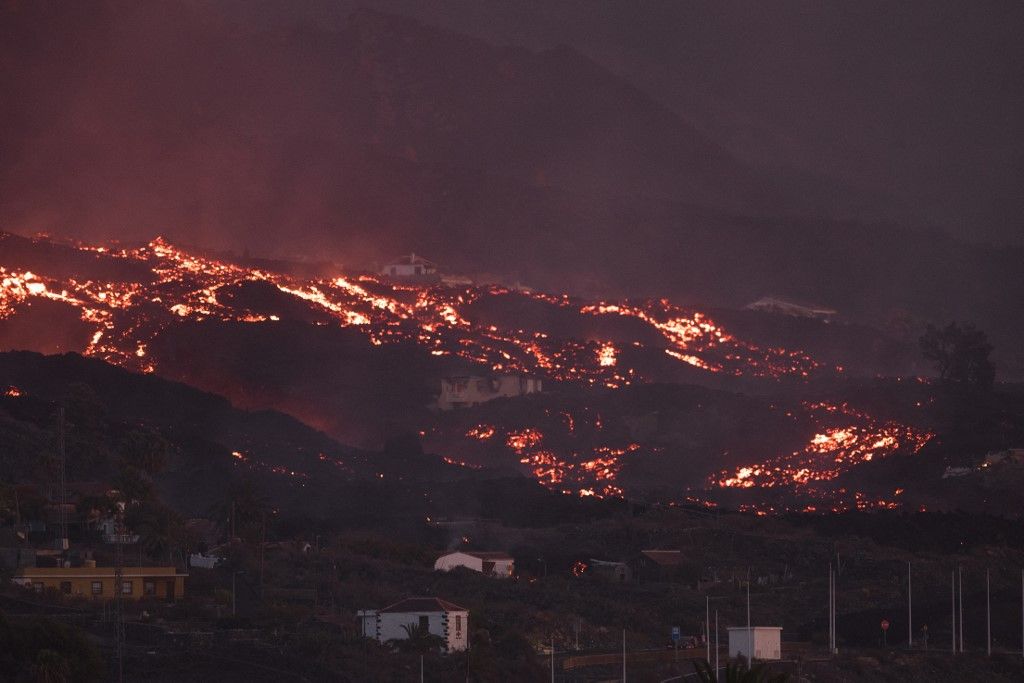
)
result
[(126, 588), (97, 588)]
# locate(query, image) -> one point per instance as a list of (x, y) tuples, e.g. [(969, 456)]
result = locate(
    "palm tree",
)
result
[(417, 639), (737, 672)]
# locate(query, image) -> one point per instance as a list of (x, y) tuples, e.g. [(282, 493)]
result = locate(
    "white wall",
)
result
[(453, 627), (450, 561), (502, 568), (767, 642)]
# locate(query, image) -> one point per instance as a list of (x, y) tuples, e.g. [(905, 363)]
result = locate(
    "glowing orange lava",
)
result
[(830, 452), (126, 316)]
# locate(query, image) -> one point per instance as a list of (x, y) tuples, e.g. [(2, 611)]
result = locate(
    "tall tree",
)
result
[(961, 356)]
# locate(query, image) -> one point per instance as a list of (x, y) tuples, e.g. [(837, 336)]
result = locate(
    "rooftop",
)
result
[(483, 554), (664, 557), (423, 605), (411, 260)]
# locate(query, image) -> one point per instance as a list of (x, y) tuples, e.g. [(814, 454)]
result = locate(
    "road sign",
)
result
[(676, 634), (885, 624)]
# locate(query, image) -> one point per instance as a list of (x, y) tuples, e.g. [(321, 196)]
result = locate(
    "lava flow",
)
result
[(845, 438), (126, 316)]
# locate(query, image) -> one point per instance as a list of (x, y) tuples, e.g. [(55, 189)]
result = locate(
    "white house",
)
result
[(440, 617), (490, 563), (780, 306), (466, 391), (410, 267), (764, 641)]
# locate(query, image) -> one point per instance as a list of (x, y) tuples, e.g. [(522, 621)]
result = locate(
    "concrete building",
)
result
[(490, 563), (764, 641), (440, 617), (162, 583), (411, 267), (466, 391)]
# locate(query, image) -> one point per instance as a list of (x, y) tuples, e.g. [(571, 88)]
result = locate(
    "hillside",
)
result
[(643, 398), (380, 135)]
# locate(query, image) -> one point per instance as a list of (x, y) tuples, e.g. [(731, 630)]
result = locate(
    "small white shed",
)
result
[(490, 563), (764, 641)]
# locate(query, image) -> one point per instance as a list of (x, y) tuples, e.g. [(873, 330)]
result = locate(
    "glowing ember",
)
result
[(522, 440), (481, 432), (606, 355)]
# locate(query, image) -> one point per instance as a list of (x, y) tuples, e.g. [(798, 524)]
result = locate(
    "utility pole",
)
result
[(63, 517), (263, 544), (960, 591), (910, 611), (707, 624), (988, 614), (421, 668), (119, 538), (831, 610), (234, 577), (552, 659), (750, 635), (623, 655), (716, 644), (952, 592)]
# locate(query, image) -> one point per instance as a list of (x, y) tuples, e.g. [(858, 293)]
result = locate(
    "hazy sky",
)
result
[(918, 102)]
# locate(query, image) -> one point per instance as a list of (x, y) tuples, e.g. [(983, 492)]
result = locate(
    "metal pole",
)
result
[(119, 635), (1022, 612), (832, 611), (707, 624), (63, 485), (910, 611), (750, 638), (552, 659), (952, 589), (960, 599), (421, 668), (716, 642), (830, 607), (623, 655), (988, 614), (234, 575)]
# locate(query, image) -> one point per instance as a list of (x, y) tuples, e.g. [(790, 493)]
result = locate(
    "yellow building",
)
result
[(161, 583)]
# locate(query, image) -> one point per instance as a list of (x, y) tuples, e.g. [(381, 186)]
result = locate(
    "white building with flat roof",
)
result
[(760, 642), (410, 267)]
